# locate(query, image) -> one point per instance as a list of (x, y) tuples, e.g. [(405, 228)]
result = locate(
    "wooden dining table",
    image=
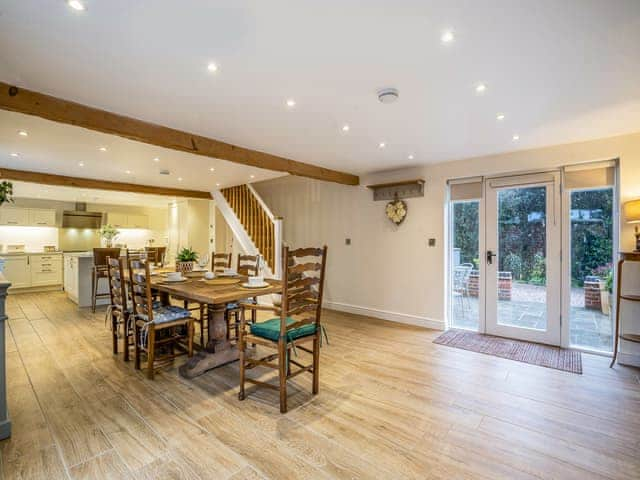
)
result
[(216, 294)]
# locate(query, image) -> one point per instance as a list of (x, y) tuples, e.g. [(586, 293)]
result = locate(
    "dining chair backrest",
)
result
[(248, 265), (220, 261), (140, 288), (156, 255), (117, 284), (136, 254), (303, 285), (100, 255)]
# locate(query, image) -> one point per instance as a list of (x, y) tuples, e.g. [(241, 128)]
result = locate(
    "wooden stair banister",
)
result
[(258, 222)]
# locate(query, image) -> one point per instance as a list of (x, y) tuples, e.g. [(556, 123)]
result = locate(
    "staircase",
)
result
[(255, 227)]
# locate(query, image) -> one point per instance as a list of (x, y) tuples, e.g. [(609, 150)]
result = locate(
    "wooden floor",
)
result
[(392, 405)]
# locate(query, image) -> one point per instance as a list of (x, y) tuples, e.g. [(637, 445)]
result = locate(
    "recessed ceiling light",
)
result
[(212, 67), (447, 36), (179, 179), (382, 145), (156, 159), (500, 116), (103, 149), (23, 133), (76, 5), (81, 164), (127, 172), (217, 184), (291, 103), (345, 128), (252, 176), (481, 88), (516, 137), (212, 169), (410, 157), (14, 154)]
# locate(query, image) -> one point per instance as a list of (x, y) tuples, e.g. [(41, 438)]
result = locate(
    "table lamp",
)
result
[(632, 215)]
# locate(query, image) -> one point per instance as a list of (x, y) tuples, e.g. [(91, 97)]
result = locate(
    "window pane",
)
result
[(522, 238), (590, 316), (465, 280)]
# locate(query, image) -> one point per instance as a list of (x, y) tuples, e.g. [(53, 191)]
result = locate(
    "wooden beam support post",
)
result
[(20, 100)]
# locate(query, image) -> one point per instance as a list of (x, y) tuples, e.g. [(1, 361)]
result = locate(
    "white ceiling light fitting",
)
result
[(23, 133), (76, 5), (446, 37), (481, 88), (500, 117), (388, 95)]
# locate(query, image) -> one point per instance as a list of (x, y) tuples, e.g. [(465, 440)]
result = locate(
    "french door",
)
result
[(522, 257)]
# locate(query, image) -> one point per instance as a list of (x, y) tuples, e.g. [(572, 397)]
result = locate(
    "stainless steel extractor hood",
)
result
[(80, 218)]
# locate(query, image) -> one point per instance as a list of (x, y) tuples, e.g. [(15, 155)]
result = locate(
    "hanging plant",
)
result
[(396, 211), (6, 192)]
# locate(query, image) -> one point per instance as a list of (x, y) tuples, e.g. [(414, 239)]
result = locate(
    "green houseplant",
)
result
[(109, 233), (186, 259), (6, 192)]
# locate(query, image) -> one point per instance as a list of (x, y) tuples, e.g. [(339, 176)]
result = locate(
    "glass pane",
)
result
[(522, 238), (590, 321), (465, 279)]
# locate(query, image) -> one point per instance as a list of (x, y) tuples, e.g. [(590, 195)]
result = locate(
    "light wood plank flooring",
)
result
[(391, 405)]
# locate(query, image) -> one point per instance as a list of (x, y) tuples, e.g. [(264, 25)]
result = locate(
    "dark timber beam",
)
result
[(20, 100), (62, 180)]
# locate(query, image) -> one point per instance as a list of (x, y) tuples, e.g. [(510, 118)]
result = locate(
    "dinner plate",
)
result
[(168, 280), (263, 285), (226, 274)]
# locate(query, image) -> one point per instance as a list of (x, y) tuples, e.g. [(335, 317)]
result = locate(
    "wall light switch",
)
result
[(347, 241), (432, 242)]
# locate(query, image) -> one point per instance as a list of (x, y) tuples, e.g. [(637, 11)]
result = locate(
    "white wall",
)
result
[(389, 271)]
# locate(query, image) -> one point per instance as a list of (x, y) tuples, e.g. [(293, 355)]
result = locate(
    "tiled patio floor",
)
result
[(588, 328)]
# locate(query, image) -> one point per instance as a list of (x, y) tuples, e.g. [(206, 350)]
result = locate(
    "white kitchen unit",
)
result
[(77, 279), (33, 270), (27, 217), (123, 220)]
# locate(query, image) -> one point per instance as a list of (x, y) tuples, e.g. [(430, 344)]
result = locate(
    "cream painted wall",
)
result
[(390, 271)]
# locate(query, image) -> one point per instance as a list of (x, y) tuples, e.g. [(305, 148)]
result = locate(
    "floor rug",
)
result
[(518, 350)]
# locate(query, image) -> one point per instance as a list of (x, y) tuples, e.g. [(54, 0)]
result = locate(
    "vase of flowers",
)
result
[(185, 260), (108, 233)]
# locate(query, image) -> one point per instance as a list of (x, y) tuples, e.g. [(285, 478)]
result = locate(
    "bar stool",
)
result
[(101, 270)]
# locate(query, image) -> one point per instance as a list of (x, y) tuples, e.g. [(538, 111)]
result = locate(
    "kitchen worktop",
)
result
[(30, 252)]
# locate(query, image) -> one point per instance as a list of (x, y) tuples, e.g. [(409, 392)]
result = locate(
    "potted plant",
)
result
[(6, 192), (108, 233), (185, 260)]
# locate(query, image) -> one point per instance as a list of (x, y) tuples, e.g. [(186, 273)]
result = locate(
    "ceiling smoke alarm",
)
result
[(388, 95)]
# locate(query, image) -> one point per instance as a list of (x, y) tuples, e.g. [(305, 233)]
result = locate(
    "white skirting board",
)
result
[(386, 315)]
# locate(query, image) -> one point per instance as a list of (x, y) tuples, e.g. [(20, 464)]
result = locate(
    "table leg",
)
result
[(218, 350)]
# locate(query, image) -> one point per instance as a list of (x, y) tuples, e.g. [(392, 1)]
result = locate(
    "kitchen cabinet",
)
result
[(123, 220), (14, 216), (33, 270), (27, 217), (16, 270), (41, 217)]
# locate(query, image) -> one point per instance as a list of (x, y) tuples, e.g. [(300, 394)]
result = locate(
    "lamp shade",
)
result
[(632, 211)]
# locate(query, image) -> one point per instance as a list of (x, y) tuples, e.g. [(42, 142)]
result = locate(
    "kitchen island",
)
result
[(77, 279)]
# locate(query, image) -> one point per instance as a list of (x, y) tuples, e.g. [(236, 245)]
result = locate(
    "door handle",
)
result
[(490, 256)]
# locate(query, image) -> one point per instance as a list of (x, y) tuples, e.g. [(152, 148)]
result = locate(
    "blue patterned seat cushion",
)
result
[(234, 305), (166, 314)]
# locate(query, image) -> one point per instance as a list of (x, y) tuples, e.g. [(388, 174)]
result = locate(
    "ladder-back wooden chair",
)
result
[(220, 261), (248, 265), (118, 310), (156, 255), (99, 271), (298, 323), (155, 327)]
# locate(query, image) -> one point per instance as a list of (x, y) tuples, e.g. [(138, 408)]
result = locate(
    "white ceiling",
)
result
[(560, 71), (58, 148)]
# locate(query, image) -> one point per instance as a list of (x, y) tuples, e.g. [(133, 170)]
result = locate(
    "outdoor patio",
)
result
[(589, 328)]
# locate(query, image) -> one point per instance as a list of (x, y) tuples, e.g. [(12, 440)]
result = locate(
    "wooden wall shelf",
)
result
[(402, 189)]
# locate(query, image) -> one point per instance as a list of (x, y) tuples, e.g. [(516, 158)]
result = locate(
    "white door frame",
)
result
[(551, 180)]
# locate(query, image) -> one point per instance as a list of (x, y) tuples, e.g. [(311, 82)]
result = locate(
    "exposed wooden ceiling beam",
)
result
[(62, 180), (18, 99)]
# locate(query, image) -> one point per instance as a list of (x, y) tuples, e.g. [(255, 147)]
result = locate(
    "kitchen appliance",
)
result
[(80, 218)]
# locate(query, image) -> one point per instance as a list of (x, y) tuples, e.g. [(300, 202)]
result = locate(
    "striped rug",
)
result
[(527, 352)]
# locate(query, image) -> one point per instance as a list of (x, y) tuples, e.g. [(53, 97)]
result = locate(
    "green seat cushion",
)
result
[(271, 329)]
